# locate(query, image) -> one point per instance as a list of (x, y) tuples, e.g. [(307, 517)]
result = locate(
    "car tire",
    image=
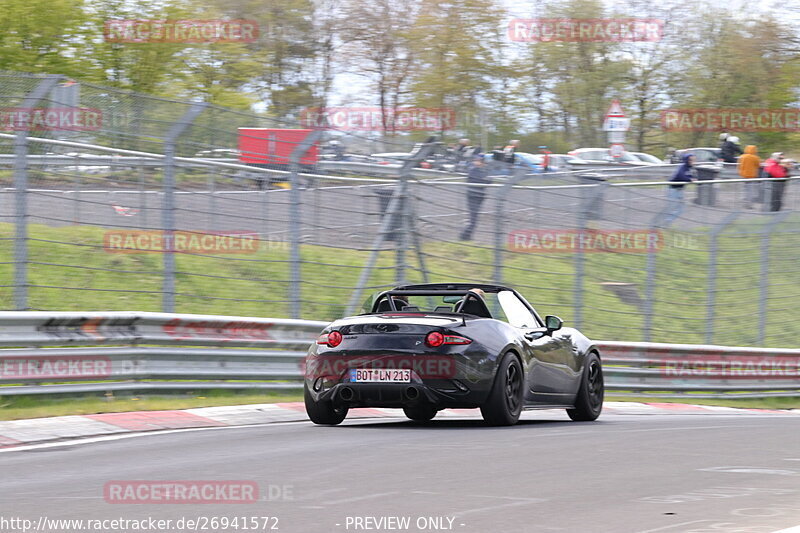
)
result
[(589, 401), (420, 413), (504, 404), (323, 413)]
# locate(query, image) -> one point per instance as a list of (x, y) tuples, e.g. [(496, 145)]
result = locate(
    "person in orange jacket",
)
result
[(749, 166)]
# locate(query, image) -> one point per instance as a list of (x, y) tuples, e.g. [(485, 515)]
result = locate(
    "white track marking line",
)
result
[(361, 498), (673, 526), (526, 501), (795, 529), (104, 438)]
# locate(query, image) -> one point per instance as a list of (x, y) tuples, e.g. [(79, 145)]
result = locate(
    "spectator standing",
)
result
[(777, 167), (497, 153), (496, 165), (509, 152), (749, 167), (545, 159), (675, 192), (730, 149), (510, 156), (463, 154), (478, 174)]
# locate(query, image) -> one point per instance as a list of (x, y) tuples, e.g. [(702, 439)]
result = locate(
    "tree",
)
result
[(378, 47), (456, 50), (40, 36)]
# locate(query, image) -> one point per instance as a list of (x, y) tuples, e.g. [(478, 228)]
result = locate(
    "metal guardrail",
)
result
[(700, 371), (56, 353), (325, 169), (159, 352)]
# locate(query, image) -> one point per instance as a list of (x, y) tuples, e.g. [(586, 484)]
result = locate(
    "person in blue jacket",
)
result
[(477, 176), (675, 193)]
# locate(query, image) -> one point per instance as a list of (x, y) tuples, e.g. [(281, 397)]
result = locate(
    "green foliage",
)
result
[(432, 53)]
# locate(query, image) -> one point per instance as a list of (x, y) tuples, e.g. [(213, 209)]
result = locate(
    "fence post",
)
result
[(763, 281), (589, 206), (403, 225), (21, 196), (295, 218), (391, 212), (168, 205), (499, 225), (500, 197), (412, 227), (712, 274), (650, 283)]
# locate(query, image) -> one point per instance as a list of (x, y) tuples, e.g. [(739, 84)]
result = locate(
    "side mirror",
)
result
[(553, 323)]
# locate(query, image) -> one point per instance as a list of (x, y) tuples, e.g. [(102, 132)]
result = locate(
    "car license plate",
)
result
[(381, 375)]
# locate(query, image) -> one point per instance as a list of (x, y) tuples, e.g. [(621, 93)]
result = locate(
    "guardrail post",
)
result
[(295, 219), (763, 281), (21, 196), (712, 274), (168, 206)]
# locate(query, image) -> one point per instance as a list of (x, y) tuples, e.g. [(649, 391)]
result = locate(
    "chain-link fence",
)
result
[(155, 209)]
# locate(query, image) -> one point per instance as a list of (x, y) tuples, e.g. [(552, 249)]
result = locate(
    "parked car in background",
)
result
[(558, 162), (602, 157), (219, 153), (529, 163), (702, 155), (434, 161), (647, 158)]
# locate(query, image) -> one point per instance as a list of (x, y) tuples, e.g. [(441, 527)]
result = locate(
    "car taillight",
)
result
[(332, 339), (434, 339)]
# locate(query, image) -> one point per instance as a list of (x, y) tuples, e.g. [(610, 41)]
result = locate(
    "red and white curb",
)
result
[(22, 432)]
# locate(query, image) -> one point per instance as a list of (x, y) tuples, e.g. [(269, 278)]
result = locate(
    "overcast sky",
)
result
[(350, 89)]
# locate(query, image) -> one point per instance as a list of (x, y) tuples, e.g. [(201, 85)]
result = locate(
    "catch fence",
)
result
[(138, 215)]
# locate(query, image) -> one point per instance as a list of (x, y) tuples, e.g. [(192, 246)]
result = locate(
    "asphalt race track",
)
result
[(623, 473)]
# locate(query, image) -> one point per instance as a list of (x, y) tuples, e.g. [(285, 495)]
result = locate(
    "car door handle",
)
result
[(532, 336)]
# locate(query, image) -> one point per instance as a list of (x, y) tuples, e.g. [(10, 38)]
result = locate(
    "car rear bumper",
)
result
[(444, 395)]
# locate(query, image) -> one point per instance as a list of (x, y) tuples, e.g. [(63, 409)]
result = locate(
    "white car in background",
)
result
[(647, 158), (600, 157)]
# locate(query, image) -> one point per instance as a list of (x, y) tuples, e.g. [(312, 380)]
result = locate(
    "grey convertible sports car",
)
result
[(452, 345)]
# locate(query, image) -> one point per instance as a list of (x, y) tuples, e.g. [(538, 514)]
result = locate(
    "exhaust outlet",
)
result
[(346, 394), (412, 393)]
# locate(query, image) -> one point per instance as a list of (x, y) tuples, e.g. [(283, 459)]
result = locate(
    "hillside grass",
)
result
[(69, 270)]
